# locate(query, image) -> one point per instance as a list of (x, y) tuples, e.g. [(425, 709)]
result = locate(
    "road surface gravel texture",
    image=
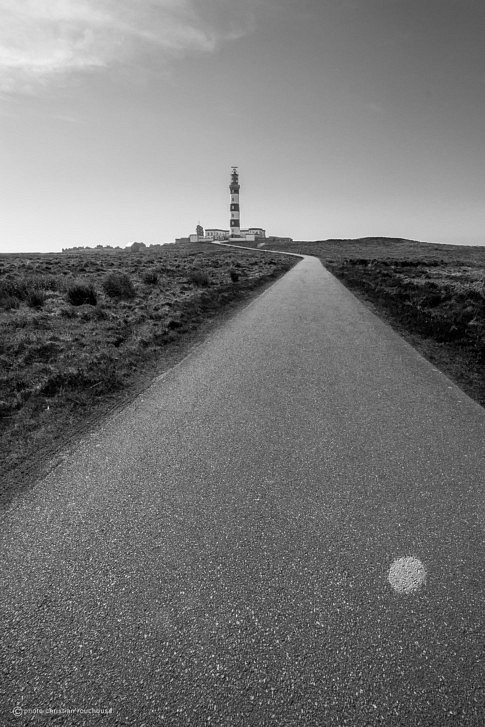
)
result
[(284, 529)]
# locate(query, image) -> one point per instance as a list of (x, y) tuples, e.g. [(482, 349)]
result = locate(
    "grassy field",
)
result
[(433, 295), (81, 331)]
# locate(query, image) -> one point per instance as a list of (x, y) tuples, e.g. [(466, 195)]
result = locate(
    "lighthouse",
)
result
[(235, 222)]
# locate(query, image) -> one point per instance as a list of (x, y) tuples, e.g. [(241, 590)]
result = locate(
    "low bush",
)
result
[(81, 294), (36, 299), (432, 300), (234, 275), (5, 408), (173, 324), (10, 302), (118, 285), (199, 278), (10, 287), (150, 277)]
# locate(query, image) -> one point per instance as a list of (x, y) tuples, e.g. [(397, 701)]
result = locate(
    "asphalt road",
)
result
[(221, 551)]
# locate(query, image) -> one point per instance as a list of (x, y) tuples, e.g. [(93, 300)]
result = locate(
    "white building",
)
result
[(253, 233), (219, 235), (216, 233)]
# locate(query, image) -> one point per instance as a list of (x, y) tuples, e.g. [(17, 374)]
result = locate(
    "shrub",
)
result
[(234, 275), (118, 285), (81, 294), (199, 278), (36, 299), (58, 381), (9, 302), (13, 287), (432, 300), (173, 324), (150, 277), (6, 408)]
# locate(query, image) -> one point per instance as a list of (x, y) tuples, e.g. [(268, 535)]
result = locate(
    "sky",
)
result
[(120, 119)]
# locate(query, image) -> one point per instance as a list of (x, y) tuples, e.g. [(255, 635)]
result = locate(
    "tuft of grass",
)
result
[(198, 277), (118, 285), (36, 299), (10, 302), (150, 277), (81, 294)]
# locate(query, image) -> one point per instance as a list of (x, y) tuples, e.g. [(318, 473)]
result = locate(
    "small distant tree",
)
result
[(138, 247)]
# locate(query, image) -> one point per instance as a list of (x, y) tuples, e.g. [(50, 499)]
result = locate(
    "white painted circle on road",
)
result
[(406, 575)]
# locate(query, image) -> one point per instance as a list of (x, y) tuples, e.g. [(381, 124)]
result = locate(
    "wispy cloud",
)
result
[(43, 39)]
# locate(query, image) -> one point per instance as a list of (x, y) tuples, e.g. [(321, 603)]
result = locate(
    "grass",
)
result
[(432, 294), (81, 294), (71, 346)]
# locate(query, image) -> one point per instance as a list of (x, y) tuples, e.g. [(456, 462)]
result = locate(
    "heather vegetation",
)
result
[(443, 301), (81, 294), (80, 329)]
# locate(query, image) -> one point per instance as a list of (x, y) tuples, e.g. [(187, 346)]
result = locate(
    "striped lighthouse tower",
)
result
[(234, 189)]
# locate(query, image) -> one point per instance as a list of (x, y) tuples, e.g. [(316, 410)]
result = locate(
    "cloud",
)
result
[(41, 40)]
